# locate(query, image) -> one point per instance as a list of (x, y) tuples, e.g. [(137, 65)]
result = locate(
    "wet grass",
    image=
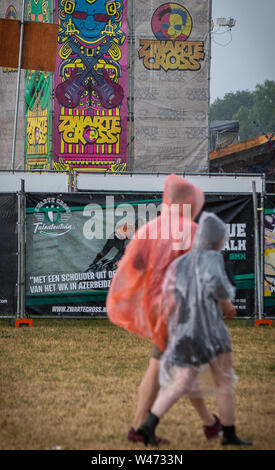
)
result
[(73, 383)]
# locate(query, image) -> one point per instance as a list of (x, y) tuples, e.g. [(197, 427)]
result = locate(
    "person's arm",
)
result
[(229, 310), (222, 288)]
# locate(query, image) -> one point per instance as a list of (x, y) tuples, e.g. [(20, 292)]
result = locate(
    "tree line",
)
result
[(255, 110)]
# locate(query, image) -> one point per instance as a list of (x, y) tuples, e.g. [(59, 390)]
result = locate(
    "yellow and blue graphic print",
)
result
[(171, 25)]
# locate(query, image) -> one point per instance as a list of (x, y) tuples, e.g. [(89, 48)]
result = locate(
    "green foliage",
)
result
[(246, 107), (264, 106), (224, 108), (247, 128)]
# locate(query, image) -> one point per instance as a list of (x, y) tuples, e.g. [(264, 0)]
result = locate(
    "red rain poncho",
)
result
[(134, 298)]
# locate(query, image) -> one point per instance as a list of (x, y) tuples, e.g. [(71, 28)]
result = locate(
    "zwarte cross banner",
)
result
[(171, 85), (74, 242), (90, 86)]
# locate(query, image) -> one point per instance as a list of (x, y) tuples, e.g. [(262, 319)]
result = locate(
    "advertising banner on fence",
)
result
[(90, 105), (269, 256), (37, 101), (237, 212), (74, 242), (171, 77), (8, 253)]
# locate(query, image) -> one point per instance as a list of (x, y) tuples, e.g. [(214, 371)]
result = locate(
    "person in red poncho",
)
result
[(134, 298)]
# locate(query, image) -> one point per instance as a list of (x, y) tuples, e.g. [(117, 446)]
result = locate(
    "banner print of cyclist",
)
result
[(171, 21), (115, 246)]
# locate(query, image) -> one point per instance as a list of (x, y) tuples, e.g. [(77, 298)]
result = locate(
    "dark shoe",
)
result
[(135, 436), (147, 429), (230, 437), (211, 432)]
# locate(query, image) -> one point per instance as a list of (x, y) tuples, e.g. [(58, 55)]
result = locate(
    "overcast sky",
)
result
[(250, 57)]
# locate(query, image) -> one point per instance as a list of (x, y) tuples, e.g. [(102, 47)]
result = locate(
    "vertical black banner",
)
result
[(237, 212), (8, 253)]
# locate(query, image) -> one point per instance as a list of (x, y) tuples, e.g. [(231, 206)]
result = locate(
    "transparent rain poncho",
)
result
[(134, 298), (198, 341)]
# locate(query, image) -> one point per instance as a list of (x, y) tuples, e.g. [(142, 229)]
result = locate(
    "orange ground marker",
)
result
[(19, 322), (263, 322)]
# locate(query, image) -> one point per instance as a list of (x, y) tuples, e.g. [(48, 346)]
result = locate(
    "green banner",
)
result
[(75, 240)]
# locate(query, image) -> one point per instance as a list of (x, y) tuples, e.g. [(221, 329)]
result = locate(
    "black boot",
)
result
[(147, 429), (230, 437)]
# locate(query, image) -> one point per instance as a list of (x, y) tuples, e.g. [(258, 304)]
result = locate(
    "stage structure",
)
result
[(128, 90)]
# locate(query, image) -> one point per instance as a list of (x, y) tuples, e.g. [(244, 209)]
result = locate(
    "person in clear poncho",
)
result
[(196, 291), (134, 298)]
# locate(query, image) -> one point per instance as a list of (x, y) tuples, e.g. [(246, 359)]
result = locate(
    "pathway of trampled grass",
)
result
[(73, 384)]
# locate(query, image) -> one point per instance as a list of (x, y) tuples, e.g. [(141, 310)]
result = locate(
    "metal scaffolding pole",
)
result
[(262, 254), (209, 78), (258, 290), (18, 85), (131, 83), (21, 317), (23, 249), (18, 253), (21, 252)]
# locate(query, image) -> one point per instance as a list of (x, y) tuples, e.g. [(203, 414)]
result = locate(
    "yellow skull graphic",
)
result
[(176, 26)]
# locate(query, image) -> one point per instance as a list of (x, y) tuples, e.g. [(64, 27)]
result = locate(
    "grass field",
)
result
[(73, 384)]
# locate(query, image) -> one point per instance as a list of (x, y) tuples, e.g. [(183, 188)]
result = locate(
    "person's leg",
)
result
[(147, 392), (169, 395), (165, 399), (207, 418), (222, 368), (211, 423)]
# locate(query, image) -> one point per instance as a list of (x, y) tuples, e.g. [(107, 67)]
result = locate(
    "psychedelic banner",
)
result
[(269, 256), (74, 242), (37, 101), (171, 91), (90, 105)]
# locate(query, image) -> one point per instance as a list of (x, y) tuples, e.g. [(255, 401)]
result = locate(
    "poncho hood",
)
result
[(177, 190)]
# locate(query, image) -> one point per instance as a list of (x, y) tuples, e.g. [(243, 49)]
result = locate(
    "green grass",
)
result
[(73, 383)]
